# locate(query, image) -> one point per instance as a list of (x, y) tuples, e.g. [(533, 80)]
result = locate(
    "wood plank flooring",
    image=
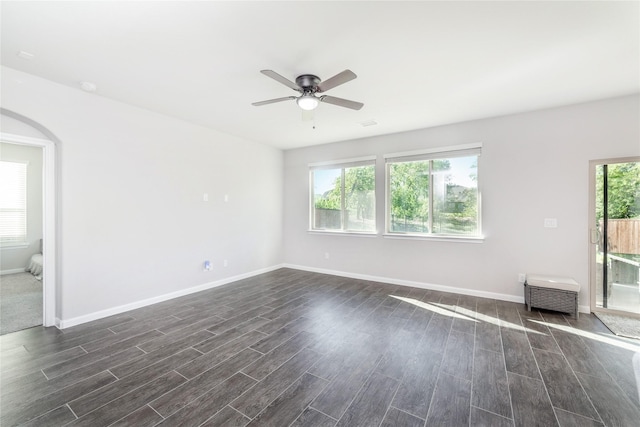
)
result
[(293, 348)]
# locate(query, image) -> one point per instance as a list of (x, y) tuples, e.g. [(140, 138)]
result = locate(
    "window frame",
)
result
[(342, 165), (440, 153)]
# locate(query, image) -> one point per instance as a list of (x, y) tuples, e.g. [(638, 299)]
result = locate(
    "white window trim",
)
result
[(14, 245), (342, 163), (368, 234), (435, 237), (431, 151)]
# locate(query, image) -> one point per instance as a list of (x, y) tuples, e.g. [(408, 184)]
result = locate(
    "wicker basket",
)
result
[(551, 299)]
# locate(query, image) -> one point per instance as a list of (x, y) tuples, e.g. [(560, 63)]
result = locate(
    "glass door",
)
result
[(615, 235)]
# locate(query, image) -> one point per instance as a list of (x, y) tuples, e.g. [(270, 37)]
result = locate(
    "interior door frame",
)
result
[(48, 220), (592, 219)]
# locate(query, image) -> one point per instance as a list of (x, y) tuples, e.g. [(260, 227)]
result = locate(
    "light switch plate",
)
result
[(550, 222)]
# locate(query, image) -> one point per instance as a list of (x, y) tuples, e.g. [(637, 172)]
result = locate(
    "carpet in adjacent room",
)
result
[(20, 302)]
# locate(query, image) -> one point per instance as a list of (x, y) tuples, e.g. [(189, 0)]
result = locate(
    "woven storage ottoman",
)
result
[(552, 293)]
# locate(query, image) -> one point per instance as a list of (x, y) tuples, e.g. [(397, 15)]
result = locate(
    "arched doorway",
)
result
[(49, 222)]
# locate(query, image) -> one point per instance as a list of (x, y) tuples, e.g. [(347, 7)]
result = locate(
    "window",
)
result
[(343, 196), (13, 202), (434, 193)]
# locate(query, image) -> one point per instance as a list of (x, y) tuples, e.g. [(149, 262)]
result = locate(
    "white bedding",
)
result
[(35, 266)]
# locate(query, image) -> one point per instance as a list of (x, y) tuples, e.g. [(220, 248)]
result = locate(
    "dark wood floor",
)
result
[(292, 348)]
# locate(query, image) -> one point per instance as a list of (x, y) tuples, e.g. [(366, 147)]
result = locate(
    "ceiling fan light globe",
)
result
[(307, 102)]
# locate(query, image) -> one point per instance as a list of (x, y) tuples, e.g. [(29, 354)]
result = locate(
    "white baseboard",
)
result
[(13, 271), (67, 323), (584, 309), (421, 285)]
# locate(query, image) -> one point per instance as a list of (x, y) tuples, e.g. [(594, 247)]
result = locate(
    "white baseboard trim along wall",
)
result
[(421, 285), (67, 323)]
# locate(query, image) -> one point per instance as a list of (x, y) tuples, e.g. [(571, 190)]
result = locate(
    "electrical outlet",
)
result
[(326, 255), (522, 277), (225, 263)]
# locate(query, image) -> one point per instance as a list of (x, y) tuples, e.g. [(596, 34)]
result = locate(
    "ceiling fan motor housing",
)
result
[(308, 85), (308, 82)]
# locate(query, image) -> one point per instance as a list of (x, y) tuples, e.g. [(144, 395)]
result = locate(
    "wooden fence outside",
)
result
[(624, 236)]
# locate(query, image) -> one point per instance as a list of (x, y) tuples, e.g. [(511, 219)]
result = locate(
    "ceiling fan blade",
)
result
[(341, 102), (338, 79), (277, 77), (271, 101)]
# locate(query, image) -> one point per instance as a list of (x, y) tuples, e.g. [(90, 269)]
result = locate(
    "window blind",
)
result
[(13, 202)]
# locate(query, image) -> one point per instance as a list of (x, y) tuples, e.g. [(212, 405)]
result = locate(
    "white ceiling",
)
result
[(419, 64)]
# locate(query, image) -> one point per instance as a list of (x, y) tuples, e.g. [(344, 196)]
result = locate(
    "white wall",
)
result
[(14, 126), (133, 223), (533, 166), (17, 258)]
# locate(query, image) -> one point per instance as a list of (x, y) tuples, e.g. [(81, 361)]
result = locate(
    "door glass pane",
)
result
[(597, 236), (618, 264)]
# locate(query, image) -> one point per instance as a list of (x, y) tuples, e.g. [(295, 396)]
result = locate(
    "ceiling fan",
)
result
[(309, 85)]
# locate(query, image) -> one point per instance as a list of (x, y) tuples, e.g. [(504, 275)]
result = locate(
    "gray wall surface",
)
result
[(533, 166)]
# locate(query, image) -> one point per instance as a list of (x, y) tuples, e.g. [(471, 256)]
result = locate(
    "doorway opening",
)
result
[(21, 219), (47, 246), (615, 236)]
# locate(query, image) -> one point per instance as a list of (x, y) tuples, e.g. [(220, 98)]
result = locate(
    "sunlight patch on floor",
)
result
[(435, 308), (465, 314), (590, 335), (500, 322)]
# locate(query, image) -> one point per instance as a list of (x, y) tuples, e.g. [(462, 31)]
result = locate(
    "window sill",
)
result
[(456, 239), (4, 246), (344, 233)]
